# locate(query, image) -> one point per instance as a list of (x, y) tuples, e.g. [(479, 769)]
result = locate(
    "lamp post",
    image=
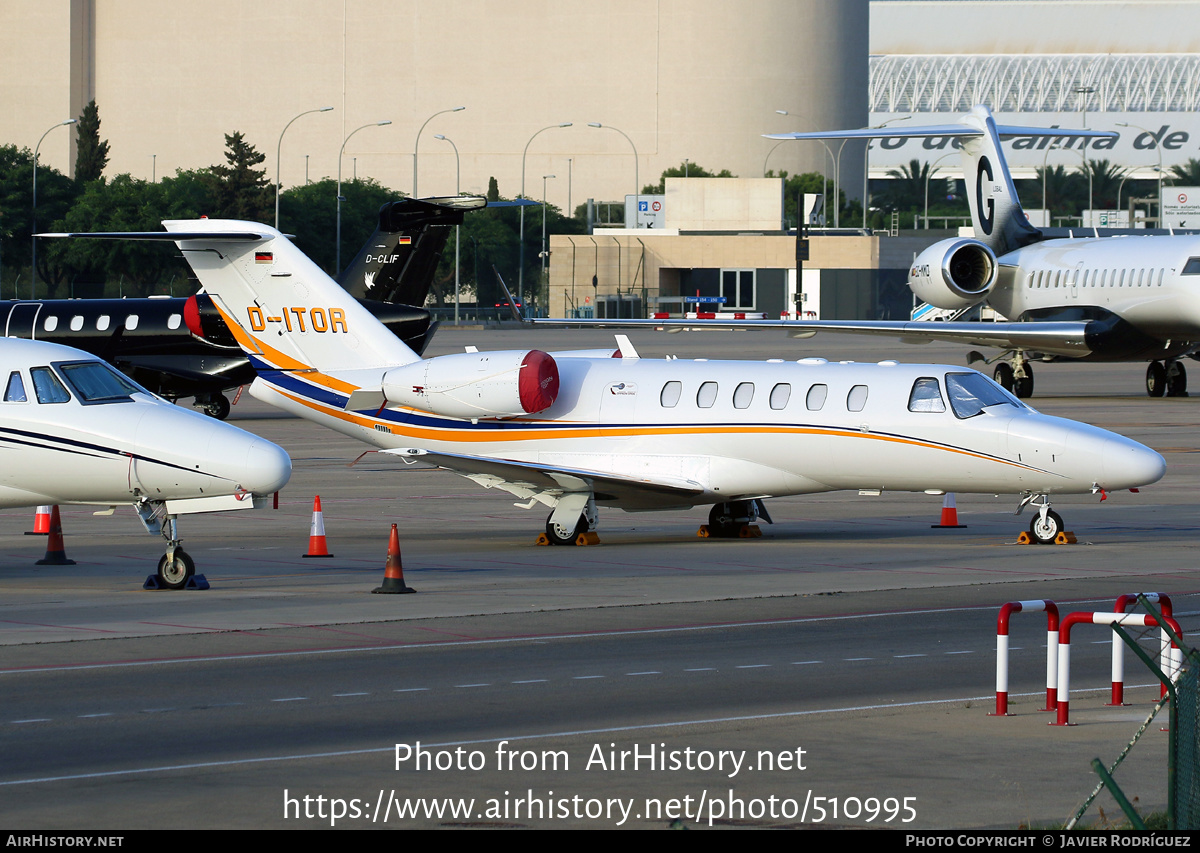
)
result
[(521, 268), (637, 183), (866, 163), (1158, 151), (33, 230), (457, 191), (341, 151), (418, 142), (278, 150), (544, 253)]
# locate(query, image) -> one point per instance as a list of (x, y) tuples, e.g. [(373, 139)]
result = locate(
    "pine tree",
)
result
[(240, 190), (92, 154)]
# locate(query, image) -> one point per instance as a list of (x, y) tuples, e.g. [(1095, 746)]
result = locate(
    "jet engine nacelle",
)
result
[(953, 273), (476, 384)]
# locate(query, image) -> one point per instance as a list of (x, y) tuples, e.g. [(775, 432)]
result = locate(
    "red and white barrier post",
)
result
[(1051, 610), (1166, 655), (1064, 648)]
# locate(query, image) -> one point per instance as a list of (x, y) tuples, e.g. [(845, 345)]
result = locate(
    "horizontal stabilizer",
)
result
[(164, 236)]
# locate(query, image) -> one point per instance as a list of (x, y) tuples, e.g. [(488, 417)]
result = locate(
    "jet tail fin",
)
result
[(996, 212), (282, 309), (398, 263)]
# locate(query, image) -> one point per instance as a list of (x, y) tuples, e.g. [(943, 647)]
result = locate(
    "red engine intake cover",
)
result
[(537, 386)]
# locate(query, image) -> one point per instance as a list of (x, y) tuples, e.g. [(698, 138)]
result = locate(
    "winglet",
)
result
[(512, 303)]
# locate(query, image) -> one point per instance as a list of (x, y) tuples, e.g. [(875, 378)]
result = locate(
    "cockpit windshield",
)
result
[(971, 393), (97, 382)]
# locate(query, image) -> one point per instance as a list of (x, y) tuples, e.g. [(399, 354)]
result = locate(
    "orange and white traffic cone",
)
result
[(56, 552), (316, 533), (41, 522), (949, 513), (393, 570)]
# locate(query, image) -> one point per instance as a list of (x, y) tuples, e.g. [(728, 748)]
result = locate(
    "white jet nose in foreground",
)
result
[(265, 468), (1128, 465)]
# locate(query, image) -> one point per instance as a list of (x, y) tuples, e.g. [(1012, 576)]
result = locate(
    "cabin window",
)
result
[(96, 382), (707, 395), (51, 324), (669, 398), (15, 392), (816, 397), (174, 320), (780, 395), (742, 395), (131, 322), (47, 386), (76, 323), (971, 393), (1192, 267), (926, 396), (102, 322), (857, 398)]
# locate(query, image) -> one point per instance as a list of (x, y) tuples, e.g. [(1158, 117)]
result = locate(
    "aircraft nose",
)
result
[(265, 468), (1128, 465)]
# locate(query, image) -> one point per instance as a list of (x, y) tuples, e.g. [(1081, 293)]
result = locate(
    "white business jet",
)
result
[(577, 430), (74, 430), (1122, 298)]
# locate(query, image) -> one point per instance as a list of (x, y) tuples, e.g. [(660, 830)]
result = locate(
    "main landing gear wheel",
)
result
[(215, 406), (727, 520), (1044, 532), (1176, 380), (173, 573), (1004, 375), (563, 536), (1156, 379)]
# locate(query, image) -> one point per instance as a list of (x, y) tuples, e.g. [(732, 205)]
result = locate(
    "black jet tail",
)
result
[(398, 263)]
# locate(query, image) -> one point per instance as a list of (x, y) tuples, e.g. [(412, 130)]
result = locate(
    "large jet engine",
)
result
[(953, 273), (476, 384)]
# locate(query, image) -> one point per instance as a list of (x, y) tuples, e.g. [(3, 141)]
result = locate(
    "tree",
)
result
[(1106, 181), (683, 170), (1187, 174), (240, 190), (310, 212), (128, 267), (92, 154)]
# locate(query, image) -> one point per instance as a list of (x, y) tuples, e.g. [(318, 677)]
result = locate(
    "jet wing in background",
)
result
[(1061, 338)]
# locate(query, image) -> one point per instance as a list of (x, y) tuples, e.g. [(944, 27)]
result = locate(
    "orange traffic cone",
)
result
[(949, 513), (41, 522), (56, 552), (393, 571), (316, 533)]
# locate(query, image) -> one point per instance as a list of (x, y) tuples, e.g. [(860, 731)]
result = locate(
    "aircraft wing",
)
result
[(540, 482), (1064, 338)]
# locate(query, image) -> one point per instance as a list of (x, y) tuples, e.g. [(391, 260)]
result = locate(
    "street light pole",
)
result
[(1158, 151), (342, 150), (544, 253), (33, 230), (457, 191), (637, 183), (278, 150), (521, 268), (418, 142)]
